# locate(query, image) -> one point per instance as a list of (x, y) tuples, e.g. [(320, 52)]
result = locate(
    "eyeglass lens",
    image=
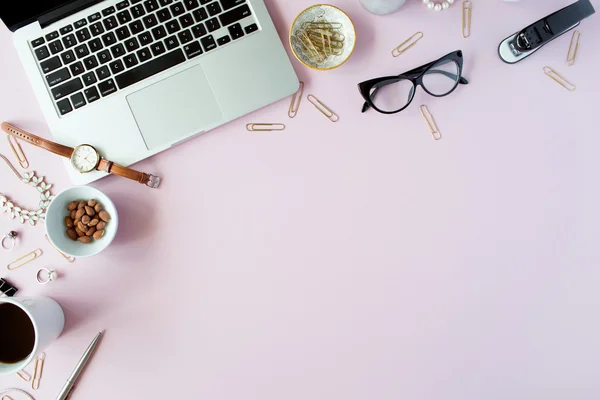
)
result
[(441, 78)]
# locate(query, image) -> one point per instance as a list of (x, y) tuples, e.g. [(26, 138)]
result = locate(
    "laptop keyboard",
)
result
[(132, 41)]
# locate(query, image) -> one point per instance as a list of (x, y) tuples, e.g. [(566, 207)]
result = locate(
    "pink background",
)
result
[(356, 260)]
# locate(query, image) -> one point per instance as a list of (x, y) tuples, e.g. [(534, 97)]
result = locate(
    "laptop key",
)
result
[(107, 87), (38, 42), (55, 47), (137, 11), (104, 56), (80, 23), (67, 88), (236, 31), (223, 40), (164, 3), (109, 39), (67, 57), (173, 26), (78, 100), (117, 67), (97, 29), (117, 50), (150, 21), (51, 64), (95, 45), (77, 68), (193, 49), (110, 23), (185, 36), (200, 14), (145, 38), (199, 30), (92, 94), (209, 43), (123, 4), (191, 4), (90, 62), (136, 27), (171, 42), (42, 53), (103, 73), (150, 68), (177, 9), (52, 35), (212, 25), (124, 17), (89, 78), (235, 15), (157, 48), (122, 33), (186, 20), (69, 41), (83, 35), (66, 29), (132, 44), (94, 17), (108, 11), (82, 51), (64, 107), (62, 75), (164, 15), (130, 60), (151, 5), (229, 4), (213, 9), (144, 54), (159, 32), (204, 2)]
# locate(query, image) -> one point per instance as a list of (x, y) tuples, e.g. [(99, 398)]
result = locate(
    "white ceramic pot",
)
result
[(382, 7)]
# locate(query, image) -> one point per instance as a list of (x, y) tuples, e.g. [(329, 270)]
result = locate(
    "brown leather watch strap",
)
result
[(55, 148), (112, 168)]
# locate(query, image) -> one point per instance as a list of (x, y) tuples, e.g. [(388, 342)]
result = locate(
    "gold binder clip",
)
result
[(326, 111), (264, 127), (466, 18), (27, 258), (572, 55), (561, 80), (66, 257), (296, 100), (407, 44), (24, 375), (435, 132), (18, 151), (37, 371)]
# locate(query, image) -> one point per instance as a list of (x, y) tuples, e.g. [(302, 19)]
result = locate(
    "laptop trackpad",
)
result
[(175, 108)]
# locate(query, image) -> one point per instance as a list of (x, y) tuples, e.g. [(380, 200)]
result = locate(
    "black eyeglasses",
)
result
[(392, 94)]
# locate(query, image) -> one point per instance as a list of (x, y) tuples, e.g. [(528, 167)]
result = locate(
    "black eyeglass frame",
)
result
[(416, 77)]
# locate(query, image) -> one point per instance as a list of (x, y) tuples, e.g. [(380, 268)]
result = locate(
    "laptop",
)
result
[(136, 77)]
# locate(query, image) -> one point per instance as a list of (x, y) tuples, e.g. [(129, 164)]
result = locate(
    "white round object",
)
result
[(445, 5), (425, 1), (438, 7), (450, 1), (430, 5)]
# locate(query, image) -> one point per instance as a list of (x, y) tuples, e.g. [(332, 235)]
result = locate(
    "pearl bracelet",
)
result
[(438, 6)]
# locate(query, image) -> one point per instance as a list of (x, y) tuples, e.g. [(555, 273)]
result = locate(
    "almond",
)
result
[(90, 211), (104, 216), (91, 203), (85, 239), (85, 220), (81, 204), (73, 213), (90, 231), (98, 234), (72, 234), (83, 228), (69, 222), (98, 207), (79, 233), (94, 222), (79, 213), (101, 225), (72, 206)]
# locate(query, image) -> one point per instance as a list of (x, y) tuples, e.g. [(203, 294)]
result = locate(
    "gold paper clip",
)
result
[(296, 100), (326, 111), (264, 127), (18, 151), (27, 258), (6, 397), (37, 371), (24, 375), (466, 18), (407, 44), (572, 55), (561, 80), (66, 257), (435, 132)]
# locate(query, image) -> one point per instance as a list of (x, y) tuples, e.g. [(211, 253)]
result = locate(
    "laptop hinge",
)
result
[(62, 12)]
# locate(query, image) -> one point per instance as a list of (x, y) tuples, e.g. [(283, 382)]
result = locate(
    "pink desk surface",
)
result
[(356, 260)]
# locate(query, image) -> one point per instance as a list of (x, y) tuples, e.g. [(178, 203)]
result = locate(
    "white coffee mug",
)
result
[(48, 322)]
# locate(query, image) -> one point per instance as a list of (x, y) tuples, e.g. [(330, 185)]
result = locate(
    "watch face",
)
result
[(85, 158)]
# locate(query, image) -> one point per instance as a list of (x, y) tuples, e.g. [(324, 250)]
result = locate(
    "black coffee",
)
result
[(17, 334)]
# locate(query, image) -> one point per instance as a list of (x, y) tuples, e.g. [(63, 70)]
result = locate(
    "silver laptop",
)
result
[(135, 77)]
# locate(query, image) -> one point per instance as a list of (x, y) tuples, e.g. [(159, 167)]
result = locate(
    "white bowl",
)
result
[(57, 231)]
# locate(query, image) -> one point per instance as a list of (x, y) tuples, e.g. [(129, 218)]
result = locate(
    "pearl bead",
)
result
[(430, 5), (438, 7), (450, 1), (425, 1), (445, 5)]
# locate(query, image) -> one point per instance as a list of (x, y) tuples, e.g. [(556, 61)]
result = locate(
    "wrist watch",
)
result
[(84, 158)]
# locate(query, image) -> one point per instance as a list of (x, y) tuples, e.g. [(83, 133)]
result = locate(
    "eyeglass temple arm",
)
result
[(462, 81)]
